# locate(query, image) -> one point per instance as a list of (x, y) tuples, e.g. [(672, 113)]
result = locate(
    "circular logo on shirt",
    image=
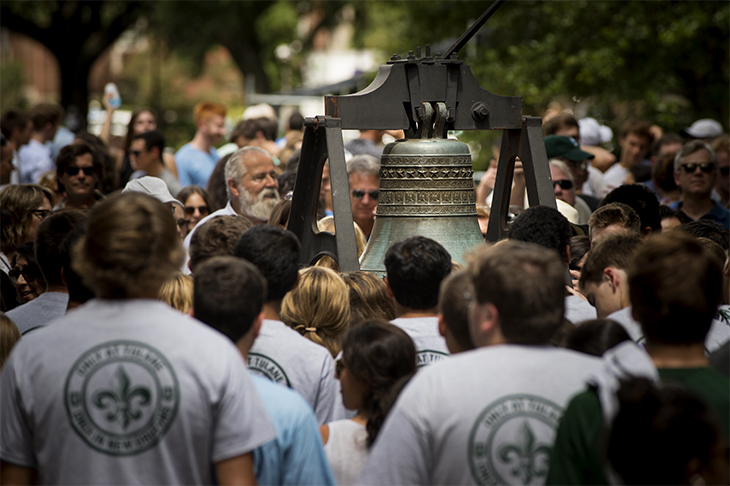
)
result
[(426, 357), (121, 397), (510, 441), (267, 367)]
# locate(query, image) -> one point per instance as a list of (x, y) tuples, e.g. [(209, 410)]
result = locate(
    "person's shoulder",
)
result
[(284, 401)]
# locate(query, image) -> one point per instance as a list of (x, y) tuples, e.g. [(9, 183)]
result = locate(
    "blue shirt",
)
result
[(296, 456), (195, 166), (717, 214)]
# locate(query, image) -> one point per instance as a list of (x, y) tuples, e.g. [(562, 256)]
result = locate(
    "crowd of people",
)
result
[(157, 326)]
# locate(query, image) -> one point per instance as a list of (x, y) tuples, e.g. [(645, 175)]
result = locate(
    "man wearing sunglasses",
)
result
[(146, 155), (695, 171), (77, 174), (363, 174)]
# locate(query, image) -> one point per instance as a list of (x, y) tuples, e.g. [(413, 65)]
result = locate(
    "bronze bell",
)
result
[(426, 189)]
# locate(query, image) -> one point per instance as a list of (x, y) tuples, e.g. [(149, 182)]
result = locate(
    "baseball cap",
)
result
[(560, 146), (704, 128), (152, 186)]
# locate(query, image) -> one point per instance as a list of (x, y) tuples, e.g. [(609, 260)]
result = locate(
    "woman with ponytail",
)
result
[(319, 307), (376, 361)]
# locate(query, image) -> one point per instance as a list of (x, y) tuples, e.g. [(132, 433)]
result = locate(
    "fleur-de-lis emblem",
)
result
[(523, 456), (120, 400)]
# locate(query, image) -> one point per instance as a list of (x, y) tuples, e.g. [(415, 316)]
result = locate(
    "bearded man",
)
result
[(253, 190)]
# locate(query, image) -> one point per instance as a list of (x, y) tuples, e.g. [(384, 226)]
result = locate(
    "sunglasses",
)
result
[(27, 273), (72, 171), (190, 210), (183, 223), (41, 213), (724, 171), (564, 184), (706, 167), (359, 194)]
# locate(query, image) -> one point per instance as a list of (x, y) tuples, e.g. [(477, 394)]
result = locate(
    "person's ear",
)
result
[(442, 325), (233, 186), (612, 277), (388, 290)]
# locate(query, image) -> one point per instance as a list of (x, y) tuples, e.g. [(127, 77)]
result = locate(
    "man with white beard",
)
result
[(253, 190)]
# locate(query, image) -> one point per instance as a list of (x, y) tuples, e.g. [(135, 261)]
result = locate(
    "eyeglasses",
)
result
[(41, 213), (190, 210), (564, 184), (706, 167), (28, 273), (72, 171), (359, 194), (183, 223)]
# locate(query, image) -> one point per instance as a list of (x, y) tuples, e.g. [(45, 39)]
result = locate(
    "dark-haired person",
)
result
[(695, 171), (26, 275), (16, 126), (613, 218), (635, 141), (196, 202), (280, 353), (50, 255), (228, 295), (77, 175), (548, 228), (666, 435), (489, 416), (415, 268), (126, 389), (455, 296), (35, 158), (216, 237), (146, 155), (643, 201), (675, 287), (375, 355)]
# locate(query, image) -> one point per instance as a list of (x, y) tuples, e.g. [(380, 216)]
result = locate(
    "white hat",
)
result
[(593, 133), (705, 128), (152, 186)]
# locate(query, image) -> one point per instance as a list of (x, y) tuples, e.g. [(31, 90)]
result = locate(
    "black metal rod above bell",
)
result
[(426, 189)]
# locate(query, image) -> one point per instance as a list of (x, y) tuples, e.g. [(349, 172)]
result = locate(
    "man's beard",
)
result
[(257, 207)]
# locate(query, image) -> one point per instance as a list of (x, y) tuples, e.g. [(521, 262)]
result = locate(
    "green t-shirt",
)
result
[(579, 447)]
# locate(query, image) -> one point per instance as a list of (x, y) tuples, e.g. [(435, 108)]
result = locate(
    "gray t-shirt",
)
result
[(487, 416), (718, 334), (430, 345), (127, 392), (40, 311), (283, 355), (578, 309)]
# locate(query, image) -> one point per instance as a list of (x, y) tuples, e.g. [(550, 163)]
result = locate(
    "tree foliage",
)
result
[(76, 32)]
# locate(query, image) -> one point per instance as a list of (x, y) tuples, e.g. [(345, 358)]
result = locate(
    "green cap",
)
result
[(558, 146)]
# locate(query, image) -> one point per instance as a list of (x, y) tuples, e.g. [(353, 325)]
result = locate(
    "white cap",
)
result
[(705, 128), (593, 133), (152, 186)]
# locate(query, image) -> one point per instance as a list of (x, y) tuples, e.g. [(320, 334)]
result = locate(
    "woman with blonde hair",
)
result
[(177, 291), (368, 298), (328, 224), (319, 307)]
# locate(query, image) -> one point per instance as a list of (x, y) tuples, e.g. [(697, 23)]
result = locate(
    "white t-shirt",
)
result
[(613, 177), (577, 309), (718, 334), (430, 345), (127, 392), (283, 355), (486, 416), (346, 450)]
